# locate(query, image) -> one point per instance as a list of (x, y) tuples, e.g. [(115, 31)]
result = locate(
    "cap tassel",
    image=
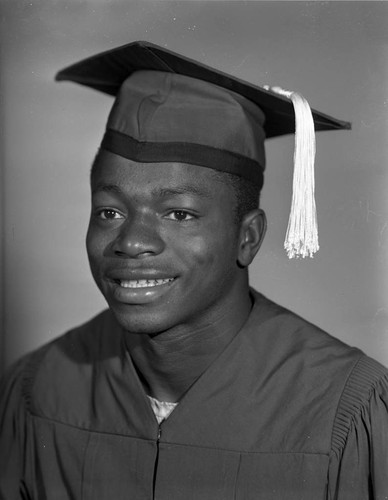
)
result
[(302, 231)]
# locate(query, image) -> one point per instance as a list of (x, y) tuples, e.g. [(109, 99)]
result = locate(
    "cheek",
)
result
[(91, 242), (97, 240), (201, 252), (214, 249), (96, 245)]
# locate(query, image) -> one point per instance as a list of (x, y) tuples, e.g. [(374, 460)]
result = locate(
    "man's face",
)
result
[(162, 243)]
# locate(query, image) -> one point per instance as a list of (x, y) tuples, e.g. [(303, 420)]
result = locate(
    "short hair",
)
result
[(246, 193)]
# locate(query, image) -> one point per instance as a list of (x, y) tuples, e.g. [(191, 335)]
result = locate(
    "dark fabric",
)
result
[(197, 154), (163, 116), (108, 70), (285, 412)]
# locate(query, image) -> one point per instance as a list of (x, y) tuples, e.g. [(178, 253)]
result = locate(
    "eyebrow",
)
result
[(108, 188), (179, 190), (157, 192)]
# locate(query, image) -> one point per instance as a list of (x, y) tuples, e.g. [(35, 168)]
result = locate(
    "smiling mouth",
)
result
[(144, 283)]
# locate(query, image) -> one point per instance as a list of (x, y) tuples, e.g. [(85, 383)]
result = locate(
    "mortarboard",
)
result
[(169, 108)]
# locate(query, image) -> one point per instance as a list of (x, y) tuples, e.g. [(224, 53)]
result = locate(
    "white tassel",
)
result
[(302, 231)]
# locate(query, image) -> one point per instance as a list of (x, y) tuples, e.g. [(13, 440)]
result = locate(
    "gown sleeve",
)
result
[(12, 434), (359, 461)]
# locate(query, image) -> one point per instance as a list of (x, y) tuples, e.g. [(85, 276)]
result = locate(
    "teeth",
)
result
[(144, 283)]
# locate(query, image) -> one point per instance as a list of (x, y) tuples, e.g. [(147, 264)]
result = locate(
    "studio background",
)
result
[(334, 53)]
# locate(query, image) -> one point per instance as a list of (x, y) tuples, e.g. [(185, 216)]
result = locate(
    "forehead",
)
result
[(135, 178)]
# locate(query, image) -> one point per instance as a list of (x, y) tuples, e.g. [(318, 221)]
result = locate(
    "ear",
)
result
[(252, 231)]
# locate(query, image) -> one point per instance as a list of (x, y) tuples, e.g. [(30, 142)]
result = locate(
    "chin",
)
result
[(142, 322)]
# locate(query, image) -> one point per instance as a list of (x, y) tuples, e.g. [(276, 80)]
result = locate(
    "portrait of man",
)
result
[(180, 373)]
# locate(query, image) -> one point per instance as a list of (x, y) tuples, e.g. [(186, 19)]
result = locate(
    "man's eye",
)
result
[(109, 214), (180, 215)]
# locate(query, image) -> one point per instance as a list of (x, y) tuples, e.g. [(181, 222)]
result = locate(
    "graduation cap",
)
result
[(169, 108)]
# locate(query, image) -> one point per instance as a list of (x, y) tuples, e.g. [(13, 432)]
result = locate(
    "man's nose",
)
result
[(139, 237)]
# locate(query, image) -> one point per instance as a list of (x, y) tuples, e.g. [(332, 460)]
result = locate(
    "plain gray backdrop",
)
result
[(334, 53)]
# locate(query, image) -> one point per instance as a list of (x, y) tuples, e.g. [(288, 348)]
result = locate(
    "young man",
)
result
[(191, 385)]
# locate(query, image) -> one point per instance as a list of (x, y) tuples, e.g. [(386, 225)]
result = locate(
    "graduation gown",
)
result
[(284, 412)]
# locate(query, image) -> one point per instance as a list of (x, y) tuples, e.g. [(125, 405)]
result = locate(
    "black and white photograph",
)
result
[(194, 249)]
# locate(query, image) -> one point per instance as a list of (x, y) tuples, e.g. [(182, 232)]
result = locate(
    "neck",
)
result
[(170, 362)]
